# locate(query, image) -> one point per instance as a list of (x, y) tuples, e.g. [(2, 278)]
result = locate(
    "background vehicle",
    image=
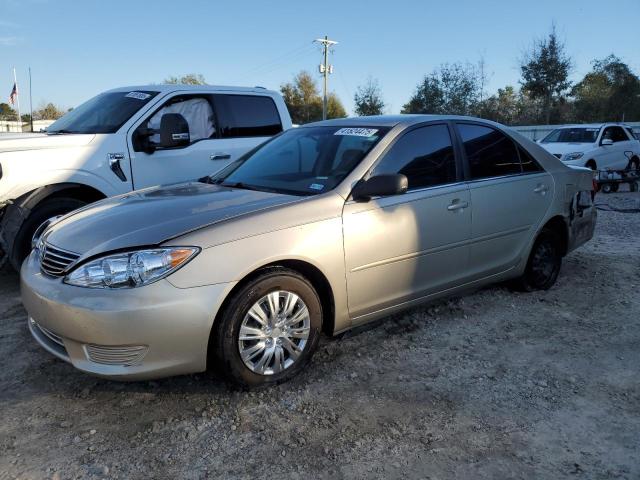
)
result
[(609, 146), (357, 219), (113, 144)]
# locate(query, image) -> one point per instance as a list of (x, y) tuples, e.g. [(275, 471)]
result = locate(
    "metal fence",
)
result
[(536, 132)]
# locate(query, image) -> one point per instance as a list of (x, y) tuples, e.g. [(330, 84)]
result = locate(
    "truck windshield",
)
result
[(572, 135), (302, 161), (105, 113)]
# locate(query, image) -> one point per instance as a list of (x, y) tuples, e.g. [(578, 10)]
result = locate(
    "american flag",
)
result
[(14, 94)]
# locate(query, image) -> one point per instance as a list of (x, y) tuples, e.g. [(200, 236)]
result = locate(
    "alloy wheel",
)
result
[(274, 332)]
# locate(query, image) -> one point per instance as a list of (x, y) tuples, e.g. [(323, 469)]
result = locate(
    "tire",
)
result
[(40, 214), (607, 188), (634, 164), (265, 341), (543, 265), (615, 187), (591, 164), (633, 186)]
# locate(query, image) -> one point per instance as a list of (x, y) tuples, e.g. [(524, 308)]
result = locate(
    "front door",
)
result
[(407, 246)]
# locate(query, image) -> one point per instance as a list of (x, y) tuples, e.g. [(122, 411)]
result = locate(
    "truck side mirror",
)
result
[(606, 141), (174, 131)]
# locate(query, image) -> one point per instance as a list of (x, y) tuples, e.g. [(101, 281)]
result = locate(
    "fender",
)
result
[(16, 212)]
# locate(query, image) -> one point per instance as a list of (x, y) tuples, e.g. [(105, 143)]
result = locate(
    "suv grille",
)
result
[(54, 261)]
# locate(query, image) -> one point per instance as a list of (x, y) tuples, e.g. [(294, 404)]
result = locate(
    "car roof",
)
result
[(165, 88), (388, 120), (593, 125)]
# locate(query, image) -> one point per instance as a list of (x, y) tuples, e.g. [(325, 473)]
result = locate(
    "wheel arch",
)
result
[(312, 273), (559, 225)]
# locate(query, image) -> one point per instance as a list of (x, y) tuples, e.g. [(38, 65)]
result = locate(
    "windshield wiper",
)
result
[(61, 131), (241, 185)]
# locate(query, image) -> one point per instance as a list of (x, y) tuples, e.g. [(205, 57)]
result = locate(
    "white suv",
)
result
[(609, 146), (125, 139)]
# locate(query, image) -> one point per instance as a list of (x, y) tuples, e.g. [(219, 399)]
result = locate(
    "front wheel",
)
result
[(543, 265), (269, 330)]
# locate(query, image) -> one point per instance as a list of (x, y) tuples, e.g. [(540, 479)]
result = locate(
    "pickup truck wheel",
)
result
[(40, 214), (634, 164), (269, 330), (544, 262)]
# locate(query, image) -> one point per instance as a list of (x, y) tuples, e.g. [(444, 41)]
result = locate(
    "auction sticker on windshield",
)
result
[(138, 95), (357, 132)]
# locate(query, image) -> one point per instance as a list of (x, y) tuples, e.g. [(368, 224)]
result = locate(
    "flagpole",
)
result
[(15, 81), (30, 102)]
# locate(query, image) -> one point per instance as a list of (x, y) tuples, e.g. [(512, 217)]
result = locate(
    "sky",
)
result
[(77, 49)]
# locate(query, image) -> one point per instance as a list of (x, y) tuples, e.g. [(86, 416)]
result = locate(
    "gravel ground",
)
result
[(493, 385)]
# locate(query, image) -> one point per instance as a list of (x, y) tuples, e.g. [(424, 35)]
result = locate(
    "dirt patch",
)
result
[(493, 385)]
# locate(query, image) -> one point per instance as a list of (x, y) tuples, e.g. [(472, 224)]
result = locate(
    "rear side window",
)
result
[(424, 155), (490, 153), (247, 116), (632, 134), (529, 164)]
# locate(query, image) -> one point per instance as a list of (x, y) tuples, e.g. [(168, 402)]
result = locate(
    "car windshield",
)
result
[(105, 113), (572, 135), (303, 161)]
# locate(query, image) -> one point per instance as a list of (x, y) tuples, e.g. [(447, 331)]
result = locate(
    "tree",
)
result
[(6, 112), (368, 99), (188, 79), (610, 91), (502, 107), (453, 89), (25, 117), (545, 72), (48, 112), (304, 101)]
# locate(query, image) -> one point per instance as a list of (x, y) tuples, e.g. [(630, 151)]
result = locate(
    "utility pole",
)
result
[(325, 69)]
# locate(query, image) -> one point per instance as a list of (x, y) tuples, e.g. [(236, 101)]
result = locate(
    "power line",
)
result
[(277, 61)]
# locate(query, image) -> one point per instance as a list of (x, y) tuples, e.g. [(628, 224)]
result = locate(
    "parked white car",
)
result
[(127, 139), (608, 146)]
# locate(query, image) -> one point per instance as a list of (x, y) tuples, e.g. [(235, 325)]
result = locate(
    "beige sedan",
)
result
[(323, 228)]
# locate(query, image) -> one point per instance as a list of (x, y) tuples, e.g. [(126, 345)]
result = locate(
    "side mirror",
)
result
[(380, 186), (606, 141), (174, 131)]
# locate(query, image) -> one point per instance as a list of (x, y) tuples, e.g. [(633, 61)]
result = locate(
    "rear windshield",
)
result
[(572, 135), (303, 161), (105, 113)]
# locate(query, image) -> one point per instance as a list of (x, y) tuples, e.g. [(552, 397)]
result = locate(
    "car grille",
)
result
[(107, 355), (55, 261), (557, 155)]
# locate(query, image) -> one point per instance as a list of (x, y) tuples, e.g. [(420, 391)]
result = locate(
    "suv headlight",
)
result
[(573, 156), (131, 269)]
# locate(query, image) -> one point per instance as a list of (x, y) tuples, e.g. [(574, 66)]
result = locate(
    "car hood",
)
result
[(564, 148), (38, 141), (153, 216)]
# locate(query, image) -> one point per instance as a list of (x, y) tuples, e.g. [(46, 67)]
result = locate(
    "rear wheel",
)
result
[(544, 262), (44, 211), (634, 164), (269, 330)]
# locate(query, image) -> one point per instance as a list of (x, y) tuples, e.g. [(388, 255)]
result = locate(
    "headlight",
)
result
[(574, 156), (131, 269)]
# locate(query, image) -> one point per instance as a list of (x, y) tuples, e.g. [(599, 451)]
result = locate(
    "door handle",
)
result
[(220, 156), (457, 205), (542, 189)]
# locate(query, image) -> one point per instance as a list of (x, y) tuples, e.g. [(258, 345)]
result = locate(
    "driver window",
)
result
[(196, 111)]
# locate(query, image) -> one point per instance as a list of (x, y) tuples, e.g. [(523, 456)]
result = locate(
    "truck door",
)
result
[(220, 132)]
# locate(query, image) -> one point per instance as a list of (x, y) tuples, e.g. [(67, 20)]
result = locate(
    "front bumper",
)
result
[(127, 334)]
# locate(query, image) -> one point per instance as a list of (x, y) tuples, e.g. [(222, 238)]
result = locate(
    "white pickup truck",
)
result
[(127, 139)]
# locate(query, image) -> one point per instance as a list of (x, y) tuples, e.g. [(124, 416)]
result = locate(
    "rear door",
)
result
[(245, 121), (510, 194), (406, 246)]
